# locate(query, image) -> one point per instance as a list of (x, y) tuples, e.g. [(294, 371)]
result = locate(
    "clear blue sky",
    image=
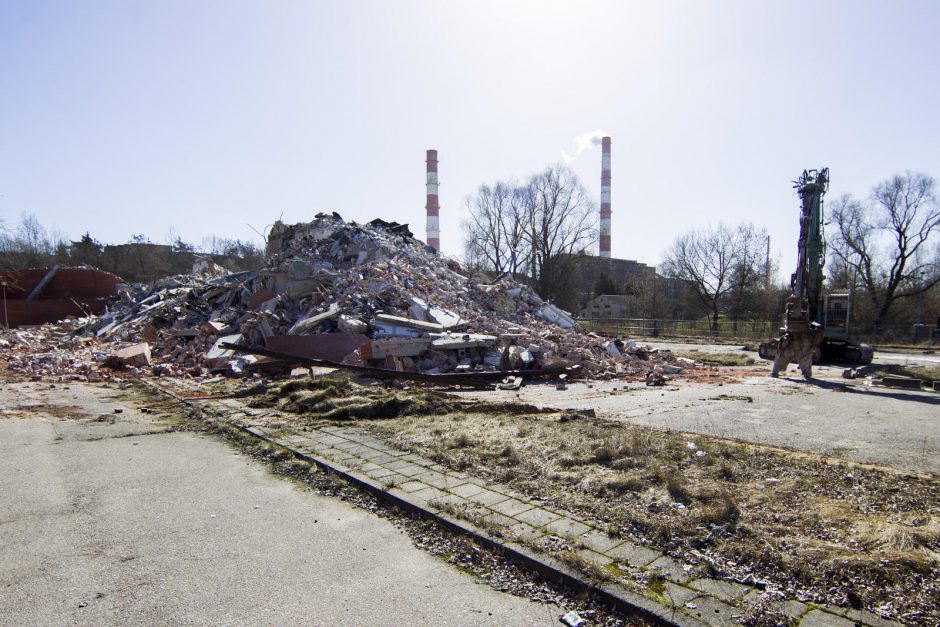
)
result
[(203, 117)]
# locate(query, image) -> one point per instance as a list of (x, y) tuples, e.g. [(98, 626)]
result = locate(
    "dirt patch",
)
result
[(56, 411)]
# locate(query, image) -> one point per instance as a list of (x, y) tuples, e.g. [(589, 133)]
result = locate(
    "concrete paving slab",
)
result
[(488, 497), (466, 490), (567, 528), (725, 590), (537, 517), (398, 463), (428, 494), (819, 618), (511, 507), (599, 541), (413, 486), (713, 611), (678, 595), (499, 519), (634, 554), (527, 532), (380, 473), (594, 557), (439, 480), (451, 500), (411, 470), (673, 569)]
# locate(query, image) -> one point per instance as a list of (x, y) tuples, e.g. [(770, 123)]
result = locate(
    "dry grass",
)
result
[(718, 359), (832, 532), (829, 532)]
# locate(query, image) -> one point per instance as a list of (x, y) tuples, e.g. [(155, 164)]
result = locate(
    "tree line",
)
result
[(29, 244), (882, 248)]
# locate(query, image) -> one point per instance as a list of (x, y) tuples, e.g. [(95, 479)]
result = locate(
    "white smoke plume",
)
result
[(584, 141)]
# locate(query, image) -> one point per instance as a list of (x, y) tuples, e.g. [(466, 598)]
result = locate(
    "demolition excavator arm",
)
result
[(805, 337)]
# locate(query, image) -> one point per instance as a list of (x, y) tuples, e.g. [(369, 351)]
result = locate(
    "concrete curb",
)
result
[(548, 567)]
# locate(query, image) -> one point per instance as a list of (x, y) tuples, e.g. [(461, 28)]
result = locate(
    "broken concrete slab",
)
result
[(218, 357), (309, 324), (136, 356), (391, 321), (557, 316), (906, 383), (349, 324), (398, 347), (213, 327), (469, 340)]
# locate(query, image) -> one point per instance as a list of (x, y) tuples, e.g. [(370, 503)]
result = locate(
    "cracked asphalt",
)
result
[(111, 517)]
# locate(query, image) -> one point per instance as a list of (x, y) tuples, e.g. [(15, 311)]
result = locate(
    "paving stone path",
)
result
[(493, 506)]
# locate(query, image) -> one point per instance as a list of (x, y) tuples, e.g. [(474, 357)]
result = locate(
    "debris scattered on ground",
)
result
[(367, 295)]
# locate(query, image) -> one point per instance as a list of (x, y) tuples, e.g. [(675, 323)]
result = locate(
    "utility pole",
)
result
[(920, 315)]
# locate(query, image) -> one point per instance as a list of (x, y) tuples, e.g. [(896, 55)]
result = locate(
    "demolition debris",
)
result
[(364, 296)]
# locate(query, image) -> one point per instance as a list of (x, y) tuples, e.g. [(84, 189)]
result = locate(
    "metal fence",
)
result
[(901, 334), (918, 335), (726, 329)]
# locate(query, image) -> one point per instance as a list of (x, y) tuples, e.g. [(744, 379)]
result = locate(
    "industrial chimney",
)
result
[(605, 197), (434, 227)]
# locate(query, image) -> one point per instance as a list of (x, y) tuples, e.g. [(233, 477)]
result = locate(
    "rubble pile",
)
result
[(368, 295)]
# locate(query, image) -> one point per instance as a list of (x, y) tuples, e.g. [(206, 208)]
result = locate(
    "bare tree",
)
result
[(884, 243), (30, 245), (718, 262), (539, 228), (751, 274), (495, 228), (562, 224)]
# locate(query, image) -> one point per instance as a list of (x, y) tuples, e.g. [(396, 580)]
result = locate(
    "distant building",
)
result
[(609, 307), (620, 271), (607, 275)]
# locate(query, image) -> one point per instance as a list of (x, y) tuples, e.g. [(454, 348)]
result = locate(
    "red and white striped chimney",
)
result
[(434, 227), (605, 197)]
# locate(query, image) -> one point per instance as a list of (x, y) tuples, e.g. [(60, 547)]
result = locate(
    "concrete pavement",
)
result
[(125, 523), (828, 416)]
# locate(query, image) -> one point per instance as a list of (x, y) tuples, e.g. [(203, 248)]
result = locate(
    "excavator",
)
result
[(815, 324)]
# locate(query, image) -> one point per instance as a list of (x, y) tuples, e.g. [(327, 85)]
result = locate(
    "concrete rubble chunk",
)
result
[(219, 357), (468, 340), (348, 324), (612, 350), (309, 324), (392, 322), (213, 327), (136, 356), (557, 316), (398, 347)]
